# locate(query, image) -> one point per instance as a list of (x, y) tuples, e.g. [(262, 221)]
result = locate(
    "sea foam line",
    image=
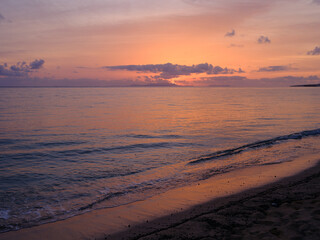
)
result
[(258, 144)]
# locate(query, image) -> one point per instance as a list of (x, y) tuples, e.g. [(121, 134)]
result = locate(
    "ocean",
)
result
[(67, 151)]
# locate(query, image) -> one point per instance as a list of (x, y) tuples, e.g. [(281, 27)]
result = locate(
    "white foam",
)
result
[(4, 214)]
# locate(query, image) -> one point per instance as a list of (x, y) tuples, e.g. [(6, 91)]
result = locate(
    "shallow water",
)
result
[(65, 151)]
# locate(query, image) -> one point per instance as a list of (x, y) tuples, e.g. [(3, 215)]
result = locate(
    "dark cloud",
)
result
[(263, 39), (36, 64), (230, 34), (20, 69), (274, 69), (241, 71), (315, 51), (169, 70), (316, 1), (1, 17), (13, 71)]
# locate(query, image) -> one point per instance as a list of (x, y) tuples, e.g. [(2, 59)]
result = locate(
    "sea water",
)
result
[(66, 151)]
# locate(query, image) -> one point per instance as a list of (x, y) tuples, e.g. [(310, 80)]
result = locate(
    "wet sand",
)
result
[(287, 209), (249, 203)]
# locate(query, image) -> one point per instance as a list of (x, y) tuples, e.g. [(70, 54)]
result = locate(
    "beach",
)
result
[(172, 119), (259, 202), (287, 209)]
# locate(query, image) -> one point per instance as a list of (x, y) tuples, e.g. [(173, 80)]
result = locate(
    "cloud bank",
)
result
[(263, 40), (20, 69), (144, 81), (169, 70), (25, 81), (240, 81), (315, 51)]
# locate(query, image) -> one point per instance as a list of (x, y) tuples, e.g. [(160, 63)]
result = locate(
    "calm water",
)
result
[(65, 151)]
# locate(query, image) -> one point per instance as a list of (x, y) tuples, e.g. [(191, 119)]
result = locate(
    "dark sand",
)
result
[(287, 209)]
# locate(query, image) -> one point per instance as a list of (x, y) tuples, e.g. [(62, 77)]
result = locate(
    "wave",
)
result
[(121, 149), (87, 151), (258, 144), (170, 136)]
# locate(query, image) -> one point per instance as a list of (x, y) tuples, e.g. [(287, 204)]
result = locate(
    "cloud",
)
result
[(263, 39), (235, 45), (36, 64), (274, 69), (169, 70), (230, 34), (11, 52), (290, 80), (26, 81), (145, 81), (316, 1), (315, 51), (20, 69), (240, 81), (13, 71)]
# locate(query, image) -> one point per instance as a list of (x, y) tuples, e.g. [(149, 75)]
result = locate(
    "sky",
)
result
[(235, 43)]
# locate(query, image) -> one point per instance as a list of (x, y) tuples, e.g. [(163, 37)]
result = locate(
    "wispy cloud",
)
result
[(169, 70), (315, 51), (235, 45), (230, 34), (274, 69), (1, 17), (263, 39), (20, 69), (11, 52)]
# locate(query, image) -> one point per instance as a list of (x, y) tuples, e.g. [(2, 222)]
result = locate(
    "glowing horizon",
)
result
[(274, 43)]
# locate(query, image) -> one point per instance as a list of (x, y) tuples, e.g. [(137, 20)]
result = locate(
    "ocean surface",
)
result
[(66, 151)]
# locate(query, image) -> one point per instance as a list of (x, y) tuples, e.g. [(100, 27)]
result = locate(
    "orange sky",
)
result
[(77, 39)]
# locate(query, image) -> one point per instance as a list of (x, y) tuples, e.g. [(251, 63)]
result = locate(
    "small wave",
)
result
[(39, 145), (62, 143), (10, 141), (132, 147), (131, 189), (264, 143), (153, 136)]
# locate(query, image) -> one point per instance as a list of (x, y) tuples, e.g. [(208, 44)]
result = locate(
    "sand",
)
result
[(287, 209), (267, 202)]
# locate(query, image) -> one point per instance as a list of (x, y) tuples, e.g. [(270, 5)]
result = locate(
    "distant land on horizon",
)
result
[(307, 85)]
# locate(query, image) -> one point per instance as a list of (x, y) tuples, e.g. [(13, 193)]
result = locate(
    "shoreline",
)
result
[(245, 215), (174, 208)]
